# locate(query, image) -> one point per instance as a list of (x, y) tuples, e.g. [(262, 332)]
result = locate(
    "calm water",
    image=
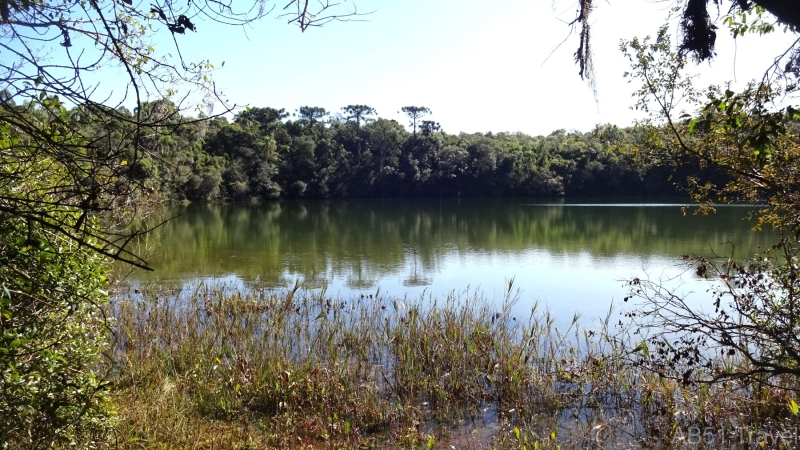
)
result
[(574, 257)]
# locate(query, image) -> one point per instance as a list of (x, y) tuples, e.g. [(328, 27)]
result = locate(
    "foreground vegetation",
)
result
[(218, 367)]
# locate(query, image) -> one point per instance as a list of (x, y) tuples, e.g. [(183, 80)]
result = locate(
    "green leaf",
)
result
[(642, 347), (793, 407)]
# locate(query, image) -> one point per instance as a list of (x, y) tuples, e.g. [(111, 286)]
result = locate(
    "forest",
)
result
[(266, 154)]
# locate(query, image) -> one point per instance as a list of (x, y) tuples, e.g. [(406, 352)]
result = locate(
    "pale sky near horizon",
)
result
[(479, 68)]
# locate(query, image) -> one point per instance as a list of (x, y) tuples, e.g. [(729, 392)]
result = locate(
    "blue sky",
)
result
[(479, 66)]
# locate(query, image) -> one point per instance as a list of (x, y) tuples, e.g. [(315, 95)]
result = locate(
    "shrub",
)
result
[(52, 330)]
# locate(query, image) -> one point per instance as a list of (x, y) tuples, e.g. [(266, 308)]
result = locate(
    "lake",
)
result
[(573, 256)]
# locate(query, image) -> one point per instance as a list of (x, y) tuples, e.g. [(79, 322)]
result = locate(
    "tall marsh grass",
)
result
[(222, 367)]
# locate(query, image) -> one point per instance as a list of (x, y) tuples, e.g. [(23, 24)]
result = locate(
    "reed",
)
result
[(219, 366)]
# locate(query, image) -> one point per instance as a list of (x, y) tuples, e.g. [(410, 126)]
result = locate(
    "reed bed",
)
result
[(219, 366)]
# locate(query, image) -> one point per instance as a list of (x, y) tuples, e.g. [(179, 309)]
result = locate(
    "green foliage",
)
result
[(52, 331), (52, 337), (263, 156), (738, 24), (755, 307)]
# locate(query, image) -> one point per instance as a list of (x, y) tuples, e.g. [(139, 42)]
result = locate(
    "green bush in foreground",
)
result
[(52, 329), (52, 338)]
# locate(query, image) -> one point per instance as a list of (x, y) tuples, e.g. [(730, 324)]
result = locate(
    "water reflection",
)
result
[(569, 255)]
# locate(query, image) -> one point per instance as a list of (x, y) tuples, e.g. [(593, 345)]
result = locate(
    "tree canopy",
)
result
[(415, 113)]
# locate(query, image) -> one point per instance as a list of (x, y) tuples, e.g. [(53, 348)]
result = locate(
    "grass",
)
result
[(218, 367)]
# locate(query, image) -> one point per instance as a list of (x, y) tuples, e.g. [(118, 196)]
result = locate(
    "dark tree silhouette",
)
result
[(358, 113), (312, 114), (415, 113)]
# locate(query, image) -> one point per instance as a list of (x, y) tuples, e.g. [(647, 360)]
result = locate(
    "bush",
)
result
[(52, 337), (52, 330), (750, 330)]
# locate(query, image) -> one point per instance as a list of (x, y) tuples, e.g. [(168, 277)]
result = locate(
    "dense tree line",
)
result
[(266, 154)]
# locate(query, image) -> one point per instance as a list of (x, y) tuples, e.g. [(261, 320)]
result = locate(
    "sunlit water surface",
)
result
[(573, 257)]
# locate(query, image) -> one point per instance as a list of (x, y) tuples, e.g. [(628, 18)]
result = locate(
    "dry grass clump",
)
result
[(220, 367)]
